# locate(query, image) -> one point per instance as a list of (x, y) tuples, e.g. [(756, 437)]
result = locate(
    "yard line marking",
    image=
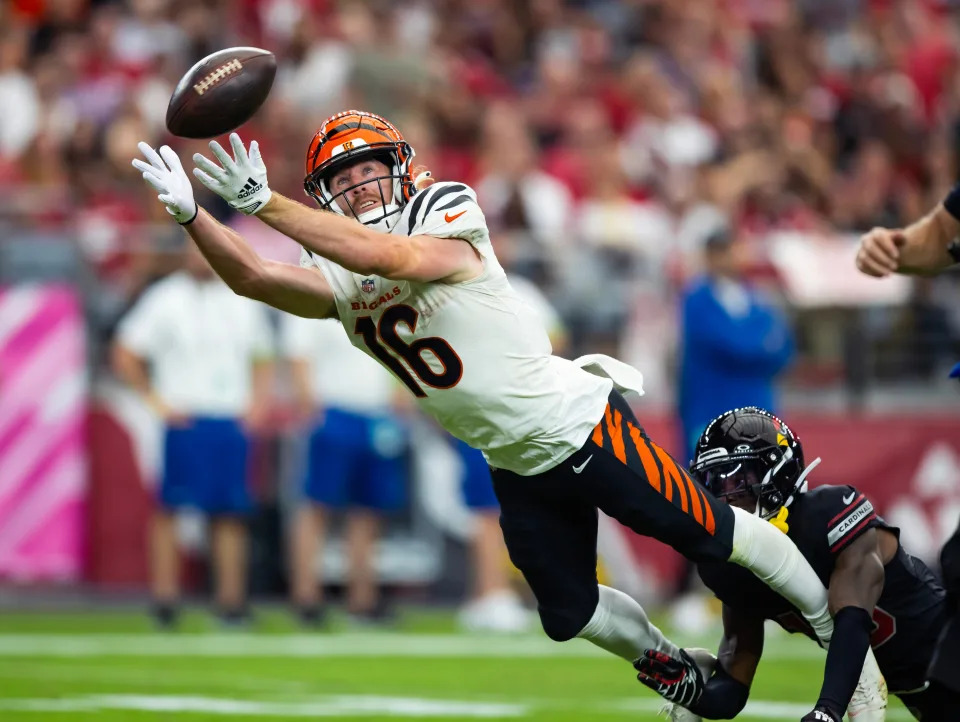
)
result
[(124, 676), (338, 706), (366, 705), (350, 644)]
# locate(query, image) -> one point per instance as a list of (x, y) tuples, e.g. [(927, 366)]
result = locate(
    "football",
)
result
[(221, 92)]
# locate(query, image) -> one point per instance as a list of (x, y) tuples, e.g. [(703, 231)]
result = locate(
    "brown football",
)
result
[(221, 92)]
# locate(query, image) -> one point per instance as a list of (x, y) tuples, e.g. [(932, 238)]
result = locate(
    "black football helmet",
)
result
[(750, 451)]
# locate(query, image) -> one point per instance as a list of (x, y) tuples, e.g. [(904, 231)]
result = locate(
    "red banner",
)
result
[(909, 466)]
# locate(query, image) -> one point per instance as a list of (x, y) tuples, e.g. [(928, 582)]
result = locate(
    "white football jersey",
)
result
[(476, 357)]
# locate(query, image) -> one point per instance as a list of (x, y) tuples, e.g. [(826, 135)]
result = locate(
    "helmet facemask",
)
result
[(383, 217), (355, 136), (750, 451)]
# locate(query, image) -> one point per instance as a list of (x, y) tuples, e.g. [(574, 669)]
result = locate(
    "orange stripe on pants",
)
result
[(616, 434), (671, 472), (694, 498), (708, 522), (598, 431), (646, 458)]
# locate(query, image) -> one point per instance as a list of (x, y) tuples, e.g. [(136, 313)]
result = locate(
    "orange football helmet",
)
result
[(350, 137)]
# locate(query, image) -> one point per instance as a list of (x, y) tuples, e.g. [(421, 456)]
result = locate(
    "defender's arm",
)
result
[(726, 692), (742, 644), (290, 288), (855, 587)]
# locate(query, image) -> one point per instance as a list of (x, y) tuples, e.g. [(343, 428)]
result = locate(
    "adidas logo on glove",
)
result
[(249, 188)]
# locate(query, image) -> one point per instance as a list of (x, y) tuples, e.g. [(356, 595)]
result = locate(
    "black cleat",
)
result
[(235, 618), (165, 615), (312, 617)]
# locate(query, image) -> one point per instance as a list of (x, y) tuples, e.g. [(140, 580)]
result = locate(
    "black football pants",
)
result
[(549, 520)]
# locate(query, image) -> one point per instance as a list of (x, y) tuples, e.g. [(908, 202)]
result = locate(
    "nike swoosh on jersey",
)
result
[(578, 469), (849, 499), (450, 219)]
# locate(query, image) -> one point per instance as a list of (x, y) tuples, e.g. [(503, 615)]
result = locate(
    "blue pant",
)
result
[(477, 482), (205, 467), (356, 460)]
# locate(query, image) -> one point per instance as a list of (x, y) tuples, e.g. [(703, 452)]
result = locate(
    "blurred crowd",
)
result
[(607, 139)]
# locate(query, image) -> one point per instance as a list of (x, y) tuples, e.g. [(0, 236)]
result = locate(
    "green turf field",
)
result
[(111, 666)]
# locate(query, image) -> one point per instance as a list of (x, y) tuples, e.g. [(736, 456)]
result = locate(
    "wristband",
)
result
[(196, 212)]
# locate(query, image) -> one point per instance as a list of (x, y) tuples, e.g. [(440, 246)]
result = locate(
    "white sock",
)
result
[(775, 560), (620, 625)]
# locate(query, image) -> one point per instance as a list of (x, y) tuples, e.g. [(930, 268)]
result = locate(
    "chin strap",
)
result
[(387, 217), (779, 519), (801, 484)]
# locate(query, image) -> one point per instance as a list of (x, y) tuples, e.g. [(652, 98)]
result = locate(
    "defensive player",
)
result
[(881, 597), (414, 281), (927, 247)]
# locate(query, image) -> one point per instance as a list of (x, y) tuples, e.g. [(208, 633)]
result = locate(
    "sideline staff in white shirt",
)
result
[(199, 355)]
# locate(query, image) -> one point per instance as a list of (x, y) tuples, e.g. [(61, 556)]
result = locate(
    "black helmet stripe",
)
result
[(339, 129), (356, 126)]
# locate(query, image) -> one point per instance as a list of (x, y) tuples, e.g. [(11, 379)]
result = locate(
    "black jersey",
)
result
[(823, 522)]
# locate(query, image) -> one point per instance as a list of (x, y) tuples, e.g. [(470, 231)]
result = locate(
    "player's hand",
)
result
[(879, 252), (165, 173), (240, 180), (821, 714), (676, 680)]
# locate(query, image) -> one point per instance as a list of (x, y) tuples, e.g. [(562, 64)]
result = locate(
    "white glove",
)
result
[(170, 180), (241, 181)]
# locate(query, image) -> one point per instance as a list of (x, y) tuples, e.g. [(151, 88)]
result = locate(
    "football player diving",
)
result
[(881, 597), (413, 278)]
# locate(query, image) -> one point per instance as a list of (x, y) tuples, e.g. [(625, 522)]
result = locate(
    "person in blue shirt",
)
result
[(734, 343)]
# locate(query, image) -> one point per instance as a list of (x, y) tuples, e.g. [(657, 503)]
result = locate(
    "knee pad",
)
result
[(562, 625)]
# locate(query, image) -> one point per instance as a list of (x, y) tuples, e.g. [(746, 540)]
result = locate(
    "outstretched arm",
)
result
[(352, 245), (918, 249), (241, 180), (726, 692), (301, 291)]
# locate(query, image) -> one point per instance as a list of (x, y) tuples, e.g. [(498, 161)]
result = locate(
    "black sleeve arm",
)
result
[(848, 647), (723, 697)]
